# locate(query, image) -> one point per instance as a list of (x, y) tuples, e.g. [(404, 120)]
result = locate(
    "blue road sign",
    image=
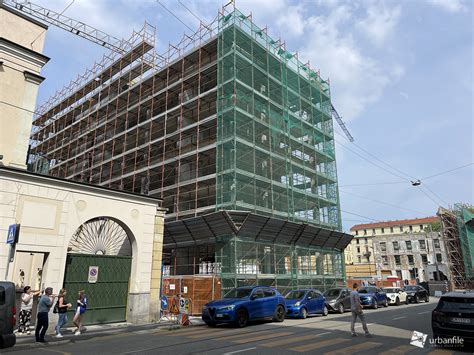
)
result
[(11, 233)]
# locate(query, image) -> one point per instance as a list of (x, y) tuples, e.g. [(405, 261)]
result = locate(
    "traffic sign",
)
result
[(13, 231), (93, 274)]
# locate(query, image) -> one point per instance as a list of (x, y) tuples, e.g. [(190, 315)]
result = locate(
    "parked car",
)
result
[(338, 299), (396, 295), (373, 297), (301, 303), (454, 316), (416, 293), (244, 304), (7, 314)]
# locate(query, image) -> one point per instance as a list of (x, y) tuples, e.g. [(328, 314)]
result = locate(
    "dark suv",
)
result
[(338, 299), (454, 316), (416, 293), (7, 314)]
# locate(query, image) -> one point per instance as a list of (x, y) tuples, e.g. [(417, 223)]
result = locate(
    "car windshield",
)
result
[(410, 288), (239, 293), (367, 290), (390, 290), (457, 304), (295, 295), (332, 292)]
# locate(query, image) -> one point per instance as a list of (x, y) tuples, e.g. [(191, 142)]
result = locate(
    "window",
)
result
[(424, 259), (421, 227), (397, 259), (365, 240), (357, 241), (358, 249), (373, 231), (358, 258), (408, 244), (401, 228), (439, 258), (383, 230), (411, 228), (357, 232), (391, 229), (385, 259), (410, 259), (396, 246), (259, 293), (2, 295), (422, 244), (365, 231), (383, 246), (436, 243)]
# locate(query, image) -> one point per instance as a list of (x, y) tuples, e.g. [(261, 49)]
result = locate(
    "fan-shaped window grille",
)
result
[(101, 236)]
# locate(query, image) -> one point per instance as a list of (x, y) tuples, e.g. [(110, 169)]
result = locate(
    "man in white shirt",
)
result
[(356, 309)]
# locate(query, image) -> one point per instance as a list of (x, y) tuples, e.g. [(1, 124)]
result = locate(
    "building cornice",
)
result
[(23, 16), (26, 54)]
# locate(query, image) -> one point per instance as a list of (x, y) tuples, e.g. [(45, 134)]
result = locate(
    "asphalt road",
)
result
[(391, 328)]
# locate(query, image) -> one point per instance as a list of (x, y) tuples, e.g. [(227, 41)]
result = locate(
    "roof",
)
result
[(23, 16), (60, 182), (208, 228), (400, 222)]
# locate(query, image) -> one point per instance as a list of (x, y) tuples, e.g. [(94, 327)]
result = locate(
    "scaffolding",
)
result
[(458, 230)]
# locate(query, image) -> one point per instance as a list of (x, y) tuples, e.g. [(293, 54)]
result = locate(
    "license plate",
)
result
[(219, 315), (461, 320)]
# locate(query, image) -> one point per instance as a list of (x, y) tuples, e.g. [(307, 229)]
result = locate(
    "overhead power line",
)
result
[(375, 183), (176, 17), (359, 215), (447, 171)]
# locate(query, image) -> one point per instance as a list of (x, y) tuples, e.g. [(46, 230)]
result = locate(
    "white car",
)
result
[(396, 295)]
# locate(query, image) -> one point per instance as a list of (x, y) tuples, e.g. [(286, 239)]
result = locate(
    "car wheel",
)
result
[(242, 318), (397, 302), (340, 308), (375, 304), (279, 314), (211, 324), (427, 299), (416, 299), (304, 313), (325, 311), (386, 303), (406, 300)]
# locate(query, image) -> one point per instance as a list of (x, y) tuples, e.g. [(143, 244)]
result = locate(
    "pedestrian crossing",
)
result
[(297, 342)]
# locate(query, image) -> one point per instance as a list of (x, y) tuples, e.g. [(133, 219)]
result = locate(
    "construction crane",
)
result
[(66, 23), (341, 123)]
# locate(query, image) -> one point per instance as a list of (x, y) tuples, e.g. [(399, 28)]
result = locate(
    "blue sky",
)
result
[(401, 76)]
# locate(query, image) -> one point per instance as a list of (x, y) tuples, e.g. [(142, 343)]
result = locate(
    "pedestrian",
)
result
[(61, 307), (356, 309), (26, 307), (44, 305), (80, 310)]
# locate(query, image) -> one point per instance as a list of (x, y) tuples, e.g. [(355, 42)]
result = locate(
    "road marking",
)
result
[(56, 351), (245, 334), (424, 312), (239, 351), (399, 350), (399, 317), (359, 325), (293, 340), (217, 334), (184, 332), (355, 348), (440, 352), (319, 345), (262, 337)]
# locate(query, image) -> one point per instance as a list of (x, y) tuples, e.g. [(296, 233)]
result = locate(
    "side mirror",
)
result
[(253, 297)]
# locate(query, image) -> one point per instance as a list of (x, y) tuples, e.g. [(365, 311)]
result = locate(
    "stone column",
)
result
[(155, 287)]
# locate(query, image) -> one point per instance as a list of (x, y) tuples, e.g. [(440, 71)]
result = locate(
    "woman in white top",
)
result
[(25, 310)]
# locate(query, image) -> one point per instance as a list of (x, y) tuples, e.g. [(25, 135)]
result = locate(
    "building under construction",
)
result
[(231, 130), (458, 233)]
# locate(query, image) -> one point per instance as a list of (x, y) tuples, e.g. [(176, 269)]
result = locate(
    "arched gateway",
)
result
[(99, 261)]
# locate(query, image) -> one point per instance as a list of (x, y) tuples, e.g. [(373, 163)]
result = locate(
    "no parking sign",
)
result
[(93, 274)]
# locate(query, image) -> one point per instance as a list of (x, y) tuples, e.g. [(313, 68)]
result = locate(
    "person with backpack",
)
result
[(61, 309), (80, 310), (26, 308)]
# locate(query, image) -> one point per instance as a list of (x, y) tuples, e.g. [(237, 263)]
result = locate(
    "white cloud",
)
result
[(452, 6), (380, 22)]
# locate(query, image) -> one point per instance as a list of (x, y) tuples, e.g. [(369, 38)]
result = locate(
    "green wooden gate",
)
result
[(107, 297)]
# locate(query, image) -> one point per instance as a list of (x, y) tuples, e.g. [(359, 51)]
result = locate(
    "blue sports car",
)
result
[(244, 304), (300, 303), (372, 296)]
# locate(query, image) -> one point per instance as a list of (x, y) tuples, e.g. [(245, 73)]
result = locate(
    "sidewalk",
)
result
[(24, 342)]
